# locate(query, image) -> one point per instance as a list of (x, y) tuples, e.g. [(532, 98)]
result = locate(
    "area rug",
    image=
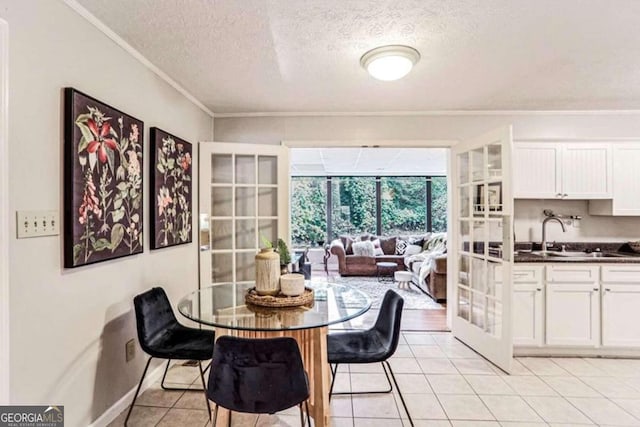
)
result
[(414, 299)]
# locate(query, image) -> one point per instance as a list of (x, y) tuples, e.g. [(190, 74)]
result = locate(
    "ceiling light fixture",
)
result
[(390, 62)]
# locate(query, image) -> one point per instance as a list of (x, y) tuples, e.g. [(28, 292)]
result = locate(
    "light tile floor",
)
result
[(444, 384)]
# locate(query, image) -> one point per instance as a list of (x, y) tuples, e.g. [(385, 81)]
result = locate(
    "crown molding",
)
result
[(431, 113), (82, 11)]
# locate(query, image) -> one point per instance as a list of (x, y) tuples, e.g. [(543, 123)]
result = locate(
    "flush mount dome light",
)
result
[(391, 62)]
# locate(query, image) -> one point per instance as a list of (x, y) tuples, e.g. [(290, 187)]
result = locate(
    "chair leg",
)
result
[(215, 416), (164, 376), (204, 387), (306, 406), (399, 392), (301, 415), (229, 419), (135, 396), (334, 370), (363, 392)]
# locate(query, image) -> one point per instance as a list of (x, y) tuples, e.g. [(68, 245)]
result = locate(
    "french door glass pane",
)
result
[(267, 170), (221, 169), (478, 275), (245, 266), (479, 237), (246, 234), (478, 304), (267, 201), (464, 267), (268, 229), (494, 152), (221, 267), (245, 170), (221, 201), (463, 168), (245, 201), (494, 317), (463, 303), (465, 206), (477, 164), (221, 234), (465, 236)]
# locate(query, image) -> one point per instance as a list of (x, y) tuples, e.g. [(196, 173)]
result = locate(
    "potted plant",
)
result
[(285, 256)]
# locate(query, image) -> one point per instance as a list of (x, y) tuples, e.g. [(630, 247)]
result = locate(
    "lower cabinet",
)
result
[(573, 314), (621, 315), (528, 314)]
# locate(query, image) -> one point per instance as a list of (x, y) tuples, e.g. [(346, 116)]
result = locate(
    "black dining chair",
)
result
[(258, 376), (162, 337), (374, 345)]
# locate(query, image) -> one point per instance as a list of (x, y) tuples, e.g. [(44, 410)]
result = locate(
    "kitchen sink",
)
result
[(578, 255)]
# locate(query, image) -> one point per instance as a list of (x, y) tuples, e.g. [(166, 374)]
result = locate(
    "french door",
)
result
[(482, 245), (244, 199)]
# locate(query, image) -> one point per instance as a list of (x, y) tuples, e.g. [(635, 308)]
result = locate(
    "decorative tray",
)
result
[(279, 300)]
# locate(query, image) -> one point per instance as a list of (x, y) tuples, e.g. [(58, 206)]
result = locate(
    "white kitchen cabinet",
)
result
[(621, 305), (626, 183), (536, 171), (528, 314), (566, 171), (572, 314)]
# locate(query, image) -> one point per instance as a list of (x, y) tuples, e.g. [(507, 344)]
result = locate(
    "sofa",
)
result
[(424, 256)]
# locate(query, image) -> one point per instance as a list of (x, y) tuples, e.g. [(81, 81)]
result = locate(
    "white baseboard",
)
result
[(112, 413)]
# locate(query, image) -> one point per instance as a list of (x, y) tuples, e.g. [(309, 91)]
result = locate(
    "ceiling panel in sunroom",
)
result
[(383, 161)]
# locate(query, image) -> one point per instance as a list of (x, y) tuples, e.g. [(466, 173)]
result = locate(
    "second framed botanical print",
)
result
[(171, 201)]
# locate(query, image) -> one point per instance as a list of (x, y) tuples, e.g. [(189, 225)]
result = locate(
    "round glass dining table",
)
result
[(223, 307)]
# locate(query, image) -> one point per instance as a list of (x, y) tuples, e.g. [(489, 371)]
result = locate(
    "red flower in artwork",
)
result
[(101, 139)]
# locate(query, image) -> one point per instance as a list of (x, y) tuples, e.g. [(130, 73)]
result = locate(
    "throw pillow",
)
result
[(401, 247), (347, 242), (388, 245), (412, 250), (363, 248), (377, 249)]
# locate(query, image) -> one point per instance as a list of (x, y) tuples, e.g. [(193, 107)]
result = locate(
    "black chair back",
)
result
[(259, 376), (154, 316), (388, 322)]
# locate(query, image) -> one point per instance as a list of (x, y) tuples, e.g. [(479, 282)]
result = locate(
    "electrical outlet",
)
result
[(130, 350), (37, 224)]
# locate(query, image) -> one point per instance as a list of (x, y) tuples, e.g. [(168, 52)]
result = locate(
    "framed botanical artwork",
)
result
[(171, 177), (102, 181)]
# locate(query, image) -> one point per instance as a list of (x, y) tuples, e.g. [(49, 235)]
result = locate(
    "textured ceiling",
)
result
[(303, 55), (368, 161)]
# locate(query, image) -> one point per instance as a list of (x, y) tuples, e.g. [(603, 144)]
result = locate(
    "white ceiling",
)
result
[(368, 161), (303, 55)]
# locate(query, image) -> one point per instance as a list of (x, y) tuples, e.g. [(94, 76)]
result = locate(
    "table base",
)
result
[(313, 347)]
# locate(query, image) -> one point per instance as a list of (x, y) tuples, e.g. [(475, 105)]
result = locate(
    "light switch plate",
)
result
[(37, 224)]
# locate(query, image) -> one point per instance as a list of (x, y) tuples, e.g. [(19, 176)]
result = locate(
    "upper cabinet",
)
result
[(563, 171), (626, 183)]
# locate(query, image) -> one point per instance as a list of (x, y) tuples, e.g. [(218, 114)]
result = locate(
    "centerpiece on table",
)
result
[(275, 286)]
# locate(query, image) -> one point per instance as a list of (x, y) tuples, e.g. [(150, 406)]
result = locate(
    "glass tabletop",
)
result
[(223, 306)]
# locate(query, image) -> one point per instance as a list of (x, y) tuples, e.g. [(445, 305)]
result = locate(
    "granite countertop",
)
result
[(623, 253)]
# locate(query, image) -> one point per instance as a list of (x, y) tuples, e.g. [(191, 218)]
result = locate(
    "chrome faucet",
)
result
[(544, 229)]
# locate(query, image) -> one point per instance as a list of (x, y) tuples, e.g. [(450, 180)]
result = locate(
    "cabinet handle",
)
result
[(539, 289), (559, 195), (596, 289), (607, 289), (565, 195)]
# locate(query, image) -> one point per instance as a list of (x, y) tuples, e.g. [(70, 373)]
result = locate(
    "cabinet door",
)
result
[(536, 171), (626, 181), (573, 314), (528, 314), (620, 315), (587, 171)]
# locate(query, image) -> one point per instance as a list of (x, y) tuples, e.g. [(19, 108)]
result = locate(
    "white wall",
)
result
[(69, 327), (272, 130), (529, 216)]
